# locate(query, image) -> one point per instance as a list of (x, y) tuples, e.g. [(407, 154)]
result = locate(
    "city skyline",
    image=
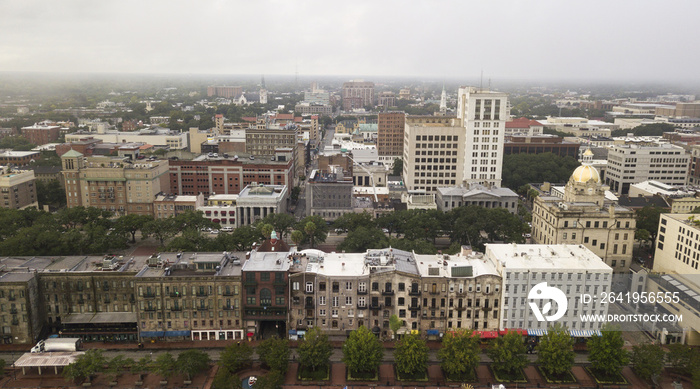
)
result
[(505, 41)]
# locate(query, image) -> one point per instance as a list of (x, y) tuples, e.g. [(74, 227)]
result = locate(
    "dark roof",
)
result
[(46, 169), (643, 201)]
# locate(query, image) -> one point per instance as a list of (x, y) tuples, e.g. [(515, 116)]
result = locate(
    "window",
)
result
[(310, 287), (362, 287), (348, 286), (295, 286), (348, 300), (321, 300), (375, 286), (335, 301)]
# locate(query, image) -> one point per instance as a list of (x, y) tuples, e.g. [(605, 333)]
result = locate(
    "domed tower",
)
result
[(585, 185)]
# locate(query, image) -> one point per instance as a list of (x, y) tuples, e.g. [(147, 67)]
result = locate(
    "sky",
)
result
[(508, 39)]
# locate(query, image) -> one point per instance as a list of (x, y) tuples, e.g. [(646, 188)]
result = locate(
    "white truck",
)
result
[(57, 344)]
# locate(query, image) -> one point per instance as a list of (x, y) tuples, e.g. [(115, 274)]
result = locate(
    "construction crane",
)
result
[(371, 177)]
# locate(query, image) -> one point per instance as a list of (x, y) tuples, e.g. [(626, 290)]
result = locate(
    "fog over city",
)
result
[(507, 40)]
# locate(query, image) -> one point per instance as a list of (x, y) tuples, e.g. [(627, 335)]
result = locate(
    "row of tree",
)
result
[(189, 363), (418, 229), (522, 169)]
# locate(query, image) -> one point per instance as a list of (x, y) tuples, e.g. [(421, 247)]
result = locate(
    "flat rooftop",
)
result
[(541, 257)]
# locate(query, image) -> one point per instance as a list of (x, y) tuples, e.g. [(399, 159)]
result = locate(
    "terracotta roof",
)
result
[(284, 116), (248, 118), (522, 123)]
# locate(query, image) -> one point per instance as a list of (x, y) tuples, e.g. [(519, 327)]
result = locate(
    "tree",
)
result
[(648, 219), (235, 356), (310, 229), (352, 221), (556, 351), (272, 380), (363, 238), (411, 355), (684, 358), (162, 229), (85, 365), (193, 362), (522, 169), (295, 194), (315, 350), (362, 352), (459, 353), (119, 365), (397, 170), (297, 236), (165, 365), (50, 193), (274, 352), (266, 230), (313, 235), (647, 360), (225, 380), (508, 353), (642, 235), (606, 354), (281, 222), (395, 323), (131, 223)]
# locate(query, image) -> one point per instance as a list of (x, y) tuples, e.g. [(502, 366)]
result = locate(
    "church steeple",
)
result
[(443, 100)]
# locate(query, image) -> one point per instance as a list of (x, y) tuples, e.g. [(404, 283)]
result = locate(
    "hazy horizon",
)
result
[(507, 40)]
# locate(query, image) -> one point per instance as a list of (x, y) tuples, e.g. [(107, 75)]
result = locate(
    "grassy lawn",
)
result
[(469, 376), (421, 376), (566, 378), (601, 378), (363, 375), (322, 374), (502, 376)]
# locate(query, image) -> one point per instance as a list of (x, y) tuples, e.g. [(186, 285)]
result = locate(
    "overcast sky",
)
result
[(551, 39)]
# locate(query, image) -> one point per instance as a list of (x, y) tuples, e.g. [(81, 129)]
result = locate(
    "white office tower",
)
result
[(483, 114)]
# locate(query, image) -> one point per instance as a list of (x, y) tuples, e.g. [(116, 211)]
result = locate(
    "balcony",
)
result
[(279, 283), (309, 304), (81, 301), (362, 292), (461, 293), (15, 322), (107, 301), (228, 308), (414, 292), (376, 306), (176, 309), (149, 309), (363, 306), (202, 294), (175, 295), (461, 308), (228, 293), (201, 308), (11, 298), (434, 292), (250, 283), (13, 311), (414, 307), (387, 293), (148, 295)]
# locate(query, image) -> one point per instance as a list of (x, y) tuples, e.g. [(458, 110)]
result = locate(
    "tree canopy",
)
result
[(648, 360), (459, 354), (521, 169), (606, 354), (411, 355), (315, 350), (362, 351), (556, 351), (274, 352), (508, 353)]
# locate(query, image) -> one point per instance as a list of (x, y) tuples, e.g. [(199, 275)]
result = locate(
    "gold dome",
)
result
[(585, 173)]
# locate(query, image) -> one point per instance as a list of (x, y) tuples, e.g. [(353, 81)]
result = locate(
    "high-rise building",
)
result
[(357, 94), (632, 164), (433, 152), (483, 114), (390, 129)]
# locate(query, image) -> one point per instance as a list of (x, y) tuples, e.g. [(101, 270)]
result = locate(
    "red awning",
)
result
[(487, 334), (508, 330)]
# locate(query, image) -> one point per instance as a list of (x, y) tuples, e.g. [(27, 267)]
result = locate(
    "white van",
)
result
[(226, 229)]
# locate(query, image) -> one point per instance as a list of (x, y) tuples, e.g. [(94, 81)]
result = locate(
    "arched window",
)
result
[(265, 297)]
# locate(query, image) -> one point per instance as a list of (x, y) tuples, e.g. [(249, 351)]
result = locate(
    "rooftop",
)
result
[(540, 257)]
